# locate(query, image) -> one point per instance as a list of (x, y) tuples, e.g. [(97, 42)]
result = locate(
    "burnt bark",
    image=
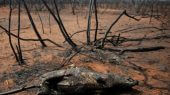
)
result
[(49, 22), (20, 55), (23, 39), (89, 21), (9, 35), (59, 18), (61, 26), (96, 18), (33, 24), (42, 25), (108, 30)]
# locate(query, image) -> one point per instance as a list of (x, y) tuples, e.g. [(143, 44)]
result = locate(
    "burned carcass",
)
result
[(80, 80)]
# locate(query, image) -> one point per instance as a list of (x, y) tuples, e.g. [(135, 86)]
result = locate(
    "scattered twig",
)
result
[(70, 58), (82, 31), (23, 39), (118, 30), (132, 17), (16, 29), (150, 38), (49, 22), (118, 38), (141, 49), (77, 18), (130, 30), (107, 32), (19, 90)]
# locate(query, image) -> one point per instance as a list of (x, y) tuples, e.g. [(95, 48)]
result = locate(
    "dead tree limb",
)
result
[(124, 39), (118, 38), (67, 38), (20, 58), (33, 24), (108, 30), (91, 4), (9, 30), (83, 31), (19, 90), (77, 20), (64, 29), (73, 6), (96, 18), (132, 17), (42, 25), (141, 49), (20, 55), (49, 22), (23, 39), (71, 57), (130, 30), (16, 29), (151, 38)]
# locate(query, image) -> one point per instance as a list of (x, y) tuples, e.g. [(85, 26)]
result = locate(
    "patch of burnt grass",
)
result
[(33, 71), (26, 75)]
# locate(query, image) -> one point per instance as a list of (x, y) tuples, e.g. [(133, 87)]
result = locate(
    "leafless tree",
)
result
[(61, 26), (9, 30), (33, 24)]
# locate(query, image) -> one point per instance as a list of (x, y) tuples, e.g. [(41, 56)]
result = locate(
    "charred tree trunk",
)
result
[(96, 18), (89, 21), (49, 22), (34, 40), (9, 30), (33, 24), (73, 6), (60, 24), (20, 55)]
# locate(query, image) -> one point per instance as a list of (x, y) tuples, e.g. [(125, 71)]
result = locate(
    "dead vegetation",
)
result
[(107, 48)]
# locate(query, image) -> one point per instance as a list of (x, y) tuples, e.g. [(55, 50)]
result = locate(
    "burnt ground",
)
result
[(151, 69)]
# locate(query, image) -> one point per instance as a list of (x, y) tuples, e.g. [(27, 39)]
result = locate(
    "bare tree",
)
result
[(91, 4), (114, 22), (96, 18), (42, 25), (61, 26), (33, 24), (9, 35), (20, 55)]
